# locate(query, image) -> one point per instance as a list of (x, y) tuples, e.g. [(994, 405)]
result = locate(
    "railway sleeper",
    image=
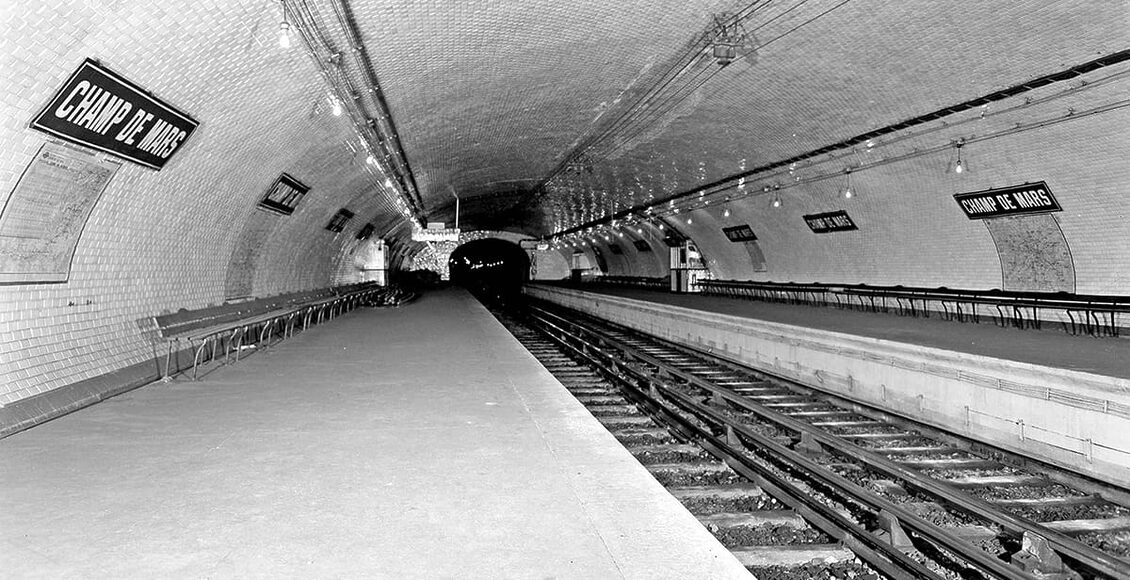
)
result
[(600, 400), (793, 556), (637, 436), (614, 411), (667, 453), (949, 463), (696, 473), (1078, 527), (618, 422), (724, 499)]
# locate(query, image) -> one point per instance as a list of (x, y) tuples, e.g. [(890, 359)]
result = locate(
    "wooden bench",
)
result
[(232, 324)]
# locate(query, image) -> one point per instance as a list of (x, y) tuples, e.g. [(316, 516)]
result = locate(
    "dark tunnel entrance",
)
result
[(492, 268)]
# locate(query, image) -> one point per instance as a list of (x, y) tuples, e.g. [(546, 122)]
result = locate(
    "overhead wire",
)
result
[(718, 70), (693, 54), (686, 59)]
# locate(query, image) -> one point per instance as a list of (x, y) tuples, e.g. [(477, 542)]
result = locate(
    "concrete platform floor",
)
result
[(419, 442), (1050, 347)]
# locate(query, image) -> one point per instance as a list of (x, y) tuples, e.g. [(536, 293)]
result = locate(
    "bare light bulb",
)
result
[(335, 107), (776, 202), (847, 193), (726, 212), (690, 221), (284, 34), (958, 167)]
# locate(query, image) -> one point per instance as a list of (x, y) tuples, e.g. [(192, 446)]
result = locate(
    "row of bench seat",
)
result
[(652, 283), (1090, 314), (239, 325)]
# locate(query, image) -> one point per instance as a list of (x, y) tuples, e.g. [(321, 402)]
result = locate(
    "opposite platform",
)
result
[(420, 442), (1051, 348), (1060, 398)]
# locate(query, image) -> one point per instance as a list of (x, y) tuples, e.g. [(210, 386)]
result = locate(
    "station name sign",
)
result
[(102, 110), (742, 233), (833, 221), (435, 235), (1016, 200)]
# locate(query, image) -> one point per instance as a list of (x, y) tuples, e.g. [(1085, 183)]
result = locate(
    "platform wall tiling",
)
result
[(161, 241), (912, 232)]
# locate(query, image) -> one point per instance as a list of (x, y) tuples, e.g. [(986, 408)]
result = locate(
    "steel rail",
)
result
[(868, 547), (1087, 556)]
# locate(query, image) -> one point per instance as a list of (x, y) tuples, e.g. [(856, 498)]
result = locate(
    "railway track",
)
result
[(904, 499)]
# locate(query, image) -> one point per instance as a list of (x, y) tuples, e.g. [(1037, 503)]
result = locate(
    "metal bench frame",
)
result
[(233, 332)]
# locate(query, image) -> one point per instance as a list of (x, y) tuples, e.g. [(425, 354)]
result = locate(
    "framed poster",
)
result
[(44, 216)]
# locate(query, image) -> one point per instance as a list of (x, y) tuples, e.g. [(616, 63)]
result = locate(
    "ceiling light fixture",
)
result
[(959, 167), (726, 212), (848, 191), (284, 34), (729, 37)]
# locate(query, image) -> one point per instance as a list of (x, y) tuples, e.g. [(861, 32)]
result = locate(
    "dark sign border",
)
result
[(740, 233), (140, 92), (1008, 192), (287, 180), (338, 221), (810, 218)]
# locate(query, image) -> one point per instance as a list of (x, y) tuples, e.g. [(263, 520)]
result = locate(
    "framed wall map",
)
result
[(44, 216)]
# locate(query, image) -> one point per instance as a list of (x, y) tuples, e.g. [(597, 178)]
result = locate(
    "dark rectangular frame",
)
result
[(1009, 191), (337, 223), (45, 122), (739, 233), (824, 230), (287, 188)]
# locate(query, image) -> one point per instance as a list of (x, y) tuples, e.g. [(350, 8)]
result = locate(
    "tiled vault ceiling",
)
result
[(492, 98)]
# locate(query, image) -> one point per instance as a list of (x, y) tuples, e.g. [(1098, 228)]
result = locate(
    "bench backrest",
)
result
[(183, 320)]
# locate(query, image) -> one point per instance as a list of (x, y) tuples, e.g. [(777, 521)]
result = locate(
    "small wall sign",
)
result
[(1016, 200), (337, 223), (833, 221), (742, 233), (284, 195), (102, 110), (641, 245)]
